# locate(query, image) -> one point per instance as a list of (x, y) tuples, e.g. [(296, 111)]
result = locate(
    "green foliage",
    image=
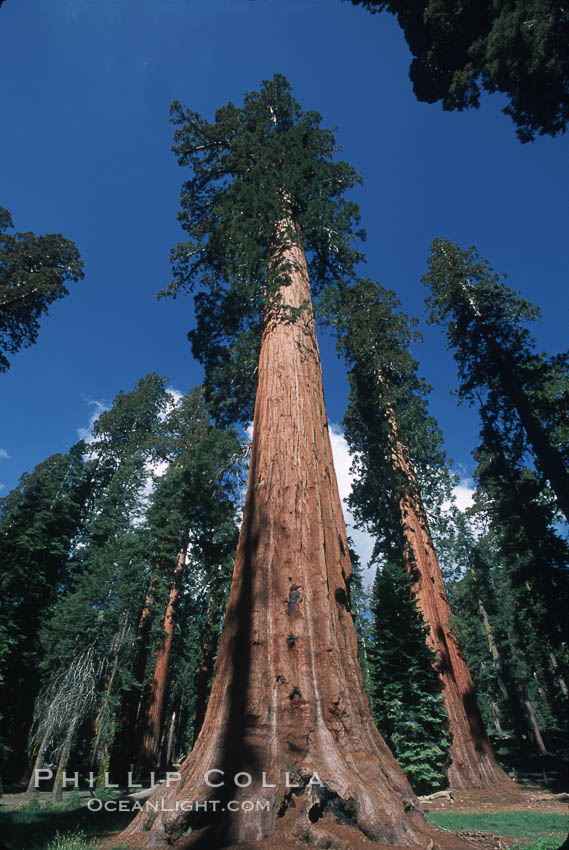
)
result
[(486, 325), (509, 623), (387, 410), (39, 523), (76, 841), (262, 177), (522, 457), (405, 688), (33, 272), (520, 49), (523, 395), (102, 529)]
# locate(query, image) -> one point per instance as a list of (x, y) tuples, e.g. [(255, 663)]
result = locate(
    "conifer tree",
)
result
[(403, 478), (33, 272), (263, 209), (192, 511), (524, 392), (108, 565), (405, 687), (460, 49), (39, 522)]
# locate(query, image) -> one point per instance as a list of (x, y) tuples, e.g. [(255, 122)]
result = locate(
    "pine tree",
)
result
[(522, 523), (188, 520), (109, 565), (524, 392), (33, 272), (505, 643), (287, 693), (405, 687)]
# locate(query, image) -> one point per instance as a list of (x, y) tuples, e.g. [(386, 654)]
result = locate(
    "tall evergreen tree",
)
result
[(518, 48), (287, 694), (33, 272), (402, 469), (109, 563), (39, 522), (405, 687), (525, 393), (522, 523), (192, 511)]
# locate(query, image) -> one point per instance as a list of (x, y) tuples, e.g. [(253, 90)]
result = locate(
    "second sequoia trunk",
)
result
[(473, 762), (287, 706)]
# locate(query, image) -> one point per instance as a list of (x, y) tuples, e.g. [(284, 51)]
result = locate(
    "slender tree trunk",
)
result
[(209, 647), (124, 753), (154, 707), (57, 790), (39, 760), (288, 697), (535, 728), (171, 740), (496, 717), (473, 762), (102, 725), (558, 674)]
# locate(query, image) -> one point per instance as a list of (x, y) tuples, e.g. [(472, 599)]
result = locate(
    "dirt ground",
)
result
[(328, 834)]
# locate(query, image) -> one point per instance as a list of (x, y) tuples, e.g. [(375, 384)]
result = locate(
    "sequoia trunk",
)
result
[(154, 705), (287, 701), (473, 763)]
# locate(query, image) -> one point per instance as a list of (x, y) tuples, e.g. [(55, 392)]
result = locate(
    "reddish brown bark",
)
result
[(154, 705), (288, 693), (473, 762)]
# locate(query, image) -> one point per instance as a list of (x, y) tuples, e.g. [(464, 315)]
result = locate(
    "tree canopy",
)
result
[(525, 392), (33, 272), (262, 176), (518, 48)]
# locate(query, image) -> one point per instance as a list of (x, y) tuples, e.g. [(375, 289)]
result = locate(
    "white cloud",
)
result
[(363, 542), (464, 493), (87, 433), (175, 394), (3, 454)]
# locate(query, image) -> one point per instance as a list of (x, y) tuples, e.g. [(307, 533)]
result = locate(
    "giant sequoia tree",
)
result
[(402, 468), (287, 699), (519, 48)]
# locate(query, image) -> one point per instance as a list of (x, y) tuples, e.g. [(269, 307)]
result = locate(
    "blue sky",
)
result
[(85, 91)]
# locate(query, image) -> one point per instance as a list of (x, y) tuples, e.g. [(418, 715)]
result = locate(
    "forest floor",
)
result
[(496, 818), (489, 801)]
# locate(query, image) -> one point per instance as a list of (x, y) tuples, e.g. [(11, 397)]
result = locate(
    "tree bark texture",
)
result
[(473, 762), (154, 705), (288, 696)]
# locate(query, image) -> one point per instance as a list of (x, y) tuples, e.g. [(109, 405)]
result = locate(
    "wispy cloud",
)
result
[(3, 454), (98, 408)]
